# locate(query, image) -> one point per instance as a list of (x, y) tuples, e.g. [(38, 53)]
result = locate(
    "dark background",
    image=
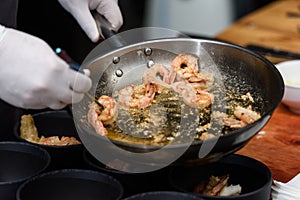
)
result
[(49, 21)]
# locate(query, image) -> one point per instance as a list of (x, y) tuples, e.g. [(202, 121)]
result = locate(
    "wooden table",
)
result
[(278, 144)]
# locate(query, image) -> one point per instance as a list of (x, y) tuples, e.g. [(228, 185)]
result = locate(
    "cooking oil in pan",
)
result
[(161, 123), (158, 124)]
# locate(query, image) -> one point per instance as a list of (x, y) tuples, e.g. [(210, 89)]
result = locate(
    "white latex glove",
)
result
[(81, 11), (32, 76)]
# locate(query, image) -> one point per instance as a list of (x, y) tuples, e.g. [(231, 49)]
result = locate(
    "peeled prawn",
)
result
[(137, 96), (192, 97), (185, 65), (244, 116), (98, 116), (247, 115), (233, 123), (151, 75), (202, 80)]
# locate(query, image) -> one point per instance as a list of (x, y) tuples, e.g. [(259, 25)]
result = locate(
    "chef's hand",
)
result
[(81, 11), (32, 76)]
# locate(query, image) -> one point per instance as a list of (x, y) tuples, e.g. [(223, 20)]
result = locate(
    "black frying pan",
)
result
[(234, 67)]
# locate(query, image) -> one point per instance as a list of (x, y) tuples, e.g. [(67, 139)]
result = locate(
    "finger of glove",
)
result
[(57, 105), (87, 23), (70, 97), (111, 11), (60, 98), (77, 97), (79, 83)]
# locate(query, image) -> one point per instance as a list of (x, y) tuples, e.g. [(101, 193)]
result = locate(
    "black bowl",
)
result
[(10, 115), (133, 183), (19, 162), (56, 123), (75, 184), (163, 195), (254, 177)]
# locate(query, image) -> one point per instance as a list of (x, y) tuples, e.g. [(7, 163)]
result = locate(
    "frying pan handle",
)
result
[(106, 30)]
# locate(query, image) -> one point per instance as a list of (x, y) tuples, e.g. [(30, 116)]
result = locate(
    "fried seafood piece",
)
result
[(69, 141), (99, 116), (193, 86), (56, 141), (49, 140), (192, 97), (247, 115), (137, 96), (28, 129), (185, 65), (217, 186), (244, 117), (153, 76), (233, 123), (201, 80)]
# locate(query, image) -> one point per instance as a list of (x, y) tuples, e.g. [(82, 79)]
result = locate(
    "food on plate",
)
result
[(28, 129), (151, 112), (29, 132), (218, 186)]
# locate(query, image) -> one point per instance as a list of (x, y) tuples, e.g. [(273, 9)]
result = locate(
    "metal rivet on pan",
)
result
[(150, 63), (119, 72), (148, 51), (116, 59)]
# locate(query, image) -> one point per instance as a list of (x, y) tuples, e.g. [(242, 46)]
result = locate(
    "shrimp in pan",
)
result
[(99, 116), (137, 96), (247, 115), (192, 97), (152, 74), (201, 80), (244, 116), (141, 96), (185, 66)]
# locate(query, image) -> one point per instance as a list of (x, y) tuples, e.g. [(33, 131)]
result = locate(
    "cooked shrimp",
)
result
[(202, 99), (110, 109), (206, 136), (201, 80), (182, 87), (244, 117), (233, 123), (192, 97), (151, 76), (93, 113), (216, 185), (247, 115), (98, 116), (185, 65), (56, 141), (137, 96)]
